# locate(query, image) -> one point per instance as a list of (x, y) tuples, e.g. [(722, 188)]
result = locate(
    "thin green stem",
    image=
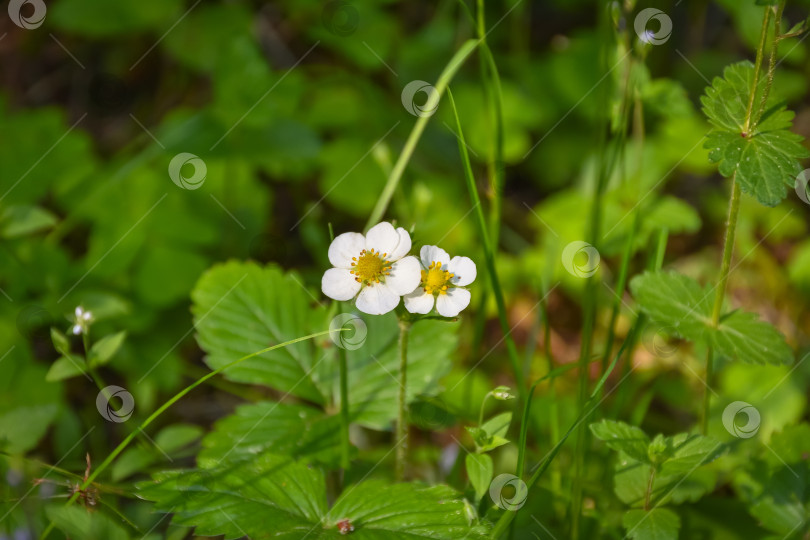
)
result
[(129, 438), (489, 256), (648, 494), (777, 28), (401, 439), (345, 443), (757, 67), (416, 132)]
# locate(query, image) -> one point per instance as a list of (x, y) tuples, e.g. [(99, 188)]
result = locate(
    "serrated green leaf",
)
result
[(632, 478), (279, 428), (742, 335), (104, 349), (623, 437), (168, 442), (680, 305), (275, 497), (479, 471), (79, 524), (764, 159), (66, 367), (241, 308), (657, 524), (675, 301), (687, 452)]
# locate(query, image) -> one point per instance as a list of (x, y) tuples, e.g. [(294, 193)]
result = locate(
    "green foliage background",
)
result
[(296, 111)]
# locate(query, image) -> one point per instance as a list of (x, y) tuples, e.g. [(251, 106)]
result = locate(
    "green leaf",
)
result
[(21, 428), (279, 428), (742, 335), (104, 349), (678, 303), (66, 367), (270, 496), (687, 452), (241, 308), (79, 524), (498, 426), (675, 301), (766, 159), (171, 441), (632, 477), (657, 524), (374, 367), (22, 220), (60, 341), (623, 437), (479, 471)]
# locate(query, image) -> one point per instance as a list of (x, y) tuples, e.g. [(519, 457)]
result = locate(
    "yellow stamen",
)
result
[(434, 279), (370, 266)]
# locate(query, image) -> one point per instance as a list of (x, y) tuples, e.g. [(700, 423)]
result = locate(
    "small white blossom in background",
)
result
[(374, 268), (81, 321), (442, 282)]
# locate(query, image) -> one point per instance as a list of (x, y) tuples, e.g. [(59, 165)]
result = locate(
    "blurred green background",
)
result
[(295, 108)]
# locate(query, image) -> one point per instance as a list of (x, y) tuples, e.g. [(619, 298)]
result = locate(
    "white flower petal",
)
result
[(344, 247), (383, 238), (430, 254), (404, 276), (78, 311), (451, 304), (376, 299), (403, 247), (418, 301), (463, 270), (339, 284)]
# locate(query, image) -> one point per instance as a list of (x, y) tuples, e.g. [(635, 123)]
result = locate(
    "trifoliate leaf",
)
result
[(764, 154), (657, 524), (680, 305), (275, 497), (623, 437)]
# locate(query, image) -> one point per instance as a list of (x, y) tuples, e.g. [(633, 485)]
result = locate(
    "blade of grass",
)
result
[(416, 132), (489, 255)]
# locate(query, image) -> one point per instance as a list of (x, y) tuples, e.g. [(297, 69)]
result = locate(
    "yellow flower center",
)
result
[(370, 266), (435, 279)]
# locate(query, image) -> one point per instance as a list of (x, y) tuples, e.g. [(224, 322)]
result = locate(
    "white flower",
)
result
[(442, 281), (81, 321), (374, 268)]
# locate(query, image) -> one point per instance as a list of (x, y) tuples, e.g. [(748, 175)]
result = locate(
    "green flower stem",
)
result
[(345, 443), (401, 437), (120, 448), (410, 144), (734, 209), (489, 256)]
